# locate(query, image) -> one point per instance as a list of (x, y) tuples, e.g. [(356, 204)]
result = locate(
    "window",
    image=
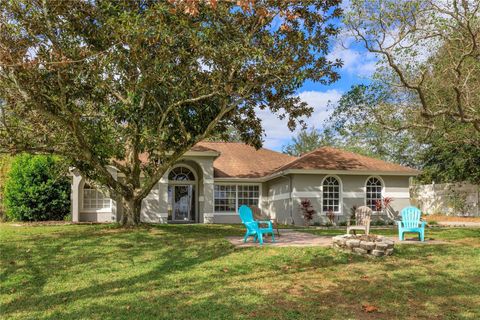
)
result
[(331, 195), (248, 195), (94, 199), (181, 174), (229, 197), (225, 198), (373, 192)]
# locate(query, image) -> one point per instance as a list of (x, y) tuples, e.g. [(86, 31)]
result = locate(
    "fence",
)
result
[(455, 199)]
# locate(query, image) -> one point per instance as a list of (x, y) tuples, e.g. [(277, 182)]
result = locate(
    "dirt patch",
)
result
[(472, 242)]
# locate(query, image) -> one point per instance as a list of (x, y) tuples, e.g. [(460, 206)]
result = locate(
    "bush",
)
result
[(307, 211), (36, 189), (378, 223)]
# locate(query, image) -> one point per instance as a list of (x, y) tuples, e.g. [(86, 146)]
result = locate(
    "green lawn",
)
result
[(191, 272)]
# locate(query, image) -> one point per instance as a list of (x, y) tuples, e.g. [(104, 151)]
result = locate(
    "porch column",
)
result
[(75, 195), (208, 202)]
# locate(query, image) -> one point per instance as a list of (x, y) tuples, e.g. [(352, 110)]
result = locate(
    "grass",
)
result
[(191, 272)]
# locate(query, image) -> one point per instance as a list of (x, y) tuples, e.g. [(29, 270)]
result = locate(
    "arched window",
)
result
[(94, 200), (331, 195), (181, 174), (373, 189)]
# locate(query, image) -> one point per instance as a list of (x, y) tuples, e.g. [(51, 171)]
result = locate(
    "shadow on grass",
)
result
[(187, 272)]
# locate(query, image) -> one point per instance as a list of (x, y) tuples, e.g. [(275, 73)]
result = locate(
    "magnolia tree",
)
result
[(430, 54), (110, 83)]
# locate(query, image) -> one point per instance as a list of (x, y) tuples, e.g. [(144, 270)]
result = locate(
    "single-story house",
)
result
[(211, 181)]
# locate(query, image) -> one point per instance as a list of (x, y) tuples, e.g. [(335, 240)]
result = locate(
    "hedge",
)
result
[(37, 189)]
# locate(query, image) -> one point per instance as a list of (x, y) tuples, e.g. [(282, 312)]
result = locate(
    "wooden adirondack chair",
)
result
[(363, 215), (252, 226), (411, 223), (259, 216)]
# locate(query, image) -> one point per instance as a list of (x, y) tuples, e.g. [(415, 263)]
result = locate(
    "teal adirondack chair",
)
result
[(411, 223), (253, 228)]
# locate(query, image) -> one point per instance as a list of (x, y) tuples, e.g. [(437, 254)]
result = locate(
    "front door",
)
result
[(183, 206)]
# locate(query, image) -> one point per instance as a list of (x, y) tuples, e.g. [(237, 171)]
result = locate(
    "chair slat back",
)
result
[(246, 214), (363, 215), (410, 217)]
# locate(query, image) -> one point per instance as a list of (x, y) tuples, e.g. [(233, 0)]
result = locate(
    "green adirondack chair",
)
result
[(253, 228), (411, 223)]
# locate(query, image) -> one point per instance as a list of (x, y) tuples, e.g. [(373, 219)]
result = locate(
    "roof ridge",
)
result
[(369, 157), (245, 144), (346, 153)]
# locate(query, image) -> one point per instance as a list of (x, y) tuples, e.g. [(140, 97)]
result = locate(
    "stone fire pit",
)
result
[(367, 245)]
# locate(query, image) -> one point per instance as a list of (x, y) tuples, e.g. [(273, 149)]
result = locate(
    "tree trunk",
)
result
[(131, 212)]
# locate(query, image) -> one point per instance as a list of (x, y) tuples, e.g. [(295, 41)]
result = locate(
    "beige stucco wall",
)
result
[(308, 186), (280, 197), (155, 206), (76, 197), (277, 202)]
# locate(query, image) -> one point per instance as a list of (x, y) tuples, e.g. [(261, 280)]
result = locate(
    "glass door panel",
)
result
[(183, 203)]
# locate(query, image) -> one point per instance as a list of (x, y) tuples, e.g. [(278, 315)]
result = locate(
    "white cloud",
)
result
[(276, 130), (361, 64)]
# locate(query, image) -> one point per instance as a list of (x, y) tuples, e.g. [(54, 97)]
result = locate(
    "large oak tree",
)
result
[(102, 82), (430, 50)]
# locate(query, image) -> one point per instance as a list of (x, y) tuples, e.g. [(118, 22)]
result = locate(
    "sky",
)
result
[(358, 68)]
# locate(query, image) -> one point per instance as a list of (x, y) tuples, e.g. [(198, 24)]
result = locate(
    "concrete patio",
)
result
[(292, 238), (287, 238)]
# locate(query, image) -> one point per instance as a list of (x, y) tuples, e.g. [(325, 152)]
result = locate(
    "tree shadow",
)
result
[(190, 272)]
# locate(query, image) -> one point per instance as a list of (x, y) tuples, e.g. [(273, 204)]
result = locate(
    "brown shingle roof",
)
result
[(239, 160), (328, 158)]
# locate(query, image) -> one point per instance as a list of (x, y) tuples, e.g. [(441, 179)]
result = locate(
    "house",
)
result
[(213, 179)]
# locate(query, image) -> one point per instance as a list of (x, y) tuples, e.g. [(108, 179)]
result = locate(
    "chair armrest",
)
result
[(423, 223), (399, 223), (253, 224)]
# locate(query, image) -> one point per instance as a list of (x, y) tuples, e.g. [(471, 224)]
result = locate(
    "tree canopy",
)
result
[(305, 141), (104, 82), (431, 51), (354, 126)]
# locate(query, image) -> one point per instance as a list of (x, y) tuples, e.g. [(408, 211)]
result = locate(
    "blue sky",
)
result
[(358, 67)]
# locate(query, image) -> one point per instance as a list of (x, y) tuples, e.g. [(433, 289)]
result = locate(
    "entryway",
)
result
[(182, 197)]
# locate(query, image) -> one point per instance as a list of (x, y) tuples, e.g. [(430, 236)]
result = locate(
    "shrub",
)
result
[(378, 223), (331, 216), (353, 216), (36, 189), (307, 211)]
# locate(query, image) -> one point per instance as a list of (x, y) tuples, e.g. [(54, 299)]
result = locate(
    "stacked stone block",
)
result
[(377, 246)]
